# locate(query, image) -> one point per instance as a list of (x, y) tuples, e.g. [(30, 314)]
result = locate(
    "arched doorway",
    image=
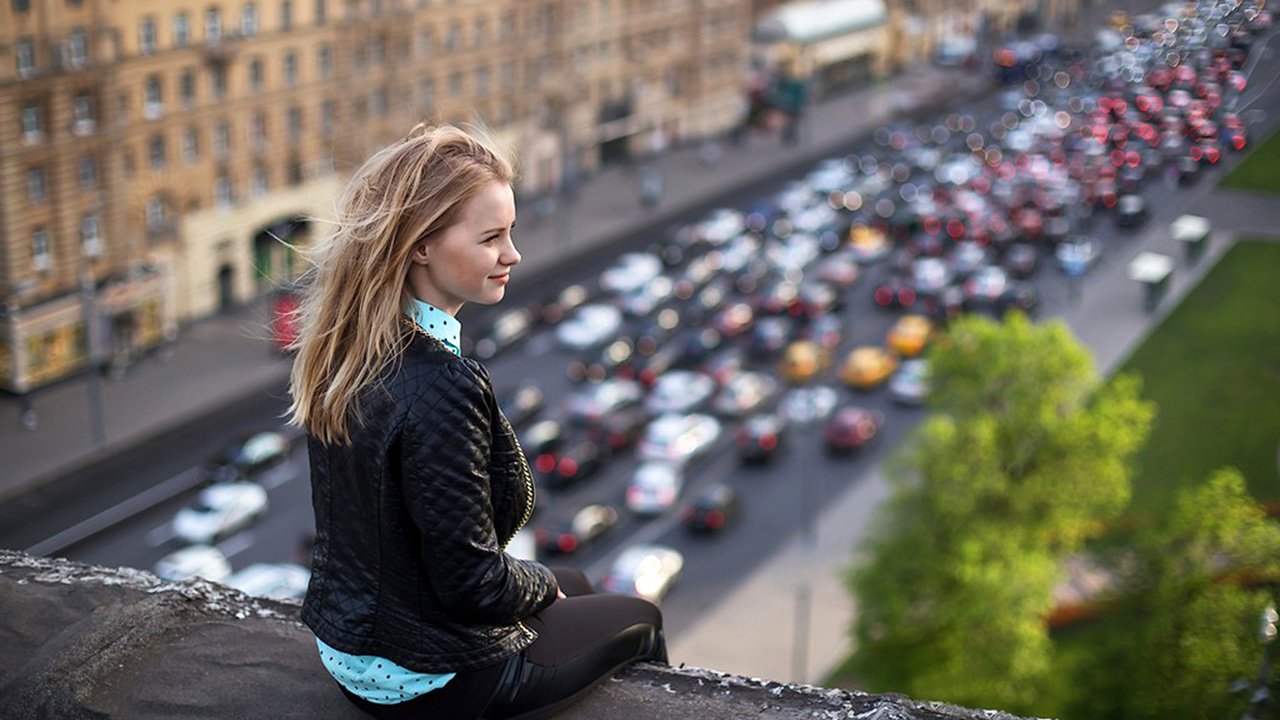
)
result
[(273, 252), (226, 288)]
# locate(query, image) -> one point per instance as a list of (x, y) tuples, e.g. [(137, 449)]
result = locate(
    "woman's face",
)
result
[(470, 261)]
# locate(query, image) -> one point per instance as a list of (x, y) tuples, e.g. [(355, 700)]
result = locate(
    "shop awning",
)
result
[(812, 21)]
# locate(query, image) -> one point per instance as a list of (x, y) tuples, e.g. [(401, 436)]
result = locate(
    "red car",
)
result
[(850, 428)]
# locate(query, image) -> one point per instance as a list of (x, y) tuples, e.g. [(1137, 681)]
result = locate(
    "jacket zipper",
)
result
[(526, 477)]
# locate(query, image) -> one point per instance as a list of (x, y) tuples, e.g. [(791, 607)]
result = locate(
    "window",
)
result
[(35, 184), (221, 139), (290, 68), (378, 50), (26, 56), (322, 11), (40, 256), (87, 171), (255, 74), (480, 36), (122, 108), (222, 193), (155, 152), (218, 82), (286, 15), (190, 145), (328, 112), (90, 235), (78, 48), (82, 115), (427, 93), (258, 132), (507, 27), (147, 36), (21, 5), (153, 98), (31, 123), (249, 20), (155, 213), (212, 26), (181, 29), (187, 88), (453, 38), (295, 125), (509, 76), (379, 102), (482, 81), (455, 83), (426, 41), (294, 171), (258, 182), (324, 60)]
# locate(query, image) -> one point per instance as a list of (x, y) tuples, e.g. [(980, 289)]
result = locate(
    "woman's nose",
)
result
[(511, 256)]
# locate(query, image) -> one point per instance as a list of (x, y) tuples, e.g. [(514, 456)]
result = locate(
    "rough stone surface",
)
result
[(85, 642)]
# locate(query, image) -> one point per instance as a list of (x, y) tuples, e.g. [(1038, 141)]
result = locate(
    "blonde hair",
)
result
[(350, 317)]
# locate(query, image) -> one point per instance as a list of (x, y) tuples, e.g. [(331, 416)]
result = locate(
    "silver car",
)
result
[(677, 438), (647, 571)]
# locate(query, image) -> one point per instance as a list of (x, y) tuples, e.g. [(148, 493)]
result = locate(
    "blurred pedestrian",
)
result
[(418, 481)]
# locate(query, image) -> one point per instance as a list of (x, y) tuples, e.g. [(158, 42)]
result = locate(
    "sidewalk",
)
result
[(225, 359)]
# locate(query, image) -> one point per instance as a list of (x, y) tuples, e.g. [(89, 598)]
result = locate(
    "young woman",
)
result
[(418, 482)]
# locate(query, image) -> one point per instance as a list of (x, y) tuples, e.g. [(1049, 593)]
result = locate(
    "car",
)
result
[(826, 330), (508, 329), (910, 384), (929, 275), (680, 391), (733, 319), (594, 401), (247, 456), (1131, 211), (760, 437), (541, 441), (840, 269), (966, 258), (1020, 260), (631, 272), (867, 366), (614, 358), (220, 510), (895, 292), (575, 461), (909, 335), (194, 561), (1077, 255), (712, 510), (583, 528), (850, 428), (647, 571), (565, 302), (679, 438), (806, 405), (647, 298), (521, 404), (590, 325), (770, 335), (745, 392), (654, 488), (986, 287), (867, 244), (802, 360), (276, 581)]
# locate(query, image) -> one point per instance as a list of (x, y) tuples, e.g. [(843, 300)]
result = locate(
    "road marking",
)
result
[(161, 535), (236, 544), (143, 501)]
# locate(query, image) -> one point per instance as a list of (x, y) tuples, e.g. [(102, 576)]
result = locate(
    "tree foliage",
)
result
[(1025, 457), (1195, 610)]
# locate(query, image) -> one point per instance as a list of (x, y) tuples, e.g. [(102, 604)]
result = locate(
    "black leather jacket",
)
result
[(412, 518)]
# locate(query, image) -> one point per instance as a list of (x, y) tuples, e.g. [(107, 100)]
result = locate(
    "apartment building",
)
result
[(163, 160)]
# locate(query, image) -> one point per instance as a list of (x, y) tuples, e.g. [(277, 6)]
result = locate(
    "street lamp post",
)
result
[(93, 386)]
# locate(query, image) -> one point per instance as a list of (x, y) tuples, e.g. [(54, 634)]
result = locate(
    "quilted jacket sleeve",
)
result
[(445, 459)]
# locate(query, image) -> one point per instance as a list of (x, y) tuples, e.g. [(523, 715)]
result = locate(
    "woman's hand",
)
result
[(560, 594)]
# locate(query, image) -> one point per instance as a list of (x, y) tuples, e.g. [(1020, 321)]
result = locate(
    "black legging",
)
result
[(582, 639)]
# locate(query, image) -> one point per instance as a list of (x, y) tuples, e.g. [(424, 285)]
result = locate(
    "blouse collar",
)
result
[(436, 322)]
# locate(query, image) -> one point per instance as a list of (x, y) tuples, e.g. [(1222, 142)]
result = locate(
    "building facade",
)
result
[(163, 160)]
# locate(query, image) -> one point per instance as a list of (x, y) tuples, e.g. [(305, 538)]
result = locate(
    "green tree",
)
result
[(1194, 612), (1025, 457)]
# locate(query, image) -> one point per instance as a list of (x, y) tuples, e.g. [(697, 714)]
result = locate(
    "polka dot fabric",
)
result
[(436, 322), (376, 679)]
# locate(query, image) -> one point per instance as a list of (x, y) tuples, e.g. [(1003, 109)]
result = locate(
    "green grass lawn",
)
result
[(1261, 170), (1213, 368)]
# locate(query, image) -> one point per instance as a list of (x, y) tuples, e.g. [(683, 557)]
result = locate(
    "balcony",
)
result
[(222, 49)]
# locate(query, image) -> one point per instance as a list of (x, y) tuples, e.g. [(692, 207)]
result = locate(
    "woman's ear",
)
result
[(421, 254)]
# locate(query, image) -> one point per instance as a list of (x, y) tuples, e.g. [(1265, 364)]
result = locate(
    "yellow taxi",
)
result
[(868, 366), (909, 335), (802, 360), (867, 243)]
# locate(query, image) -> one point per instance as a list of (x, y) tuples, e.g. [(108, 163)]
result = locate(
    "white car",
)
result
[(654, 488), (194, 561), (910, 385), (220, 510), (678, 391), (589, 326), (276, 581), (746, 392), (647, 571), (631, 272), (595, 401), (720, 226), (261, 450), (809, 404), (678, 438)]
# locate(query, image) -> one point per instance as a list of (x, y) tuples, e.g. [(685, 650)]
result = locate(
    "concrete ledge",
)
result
[(80, 642)]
